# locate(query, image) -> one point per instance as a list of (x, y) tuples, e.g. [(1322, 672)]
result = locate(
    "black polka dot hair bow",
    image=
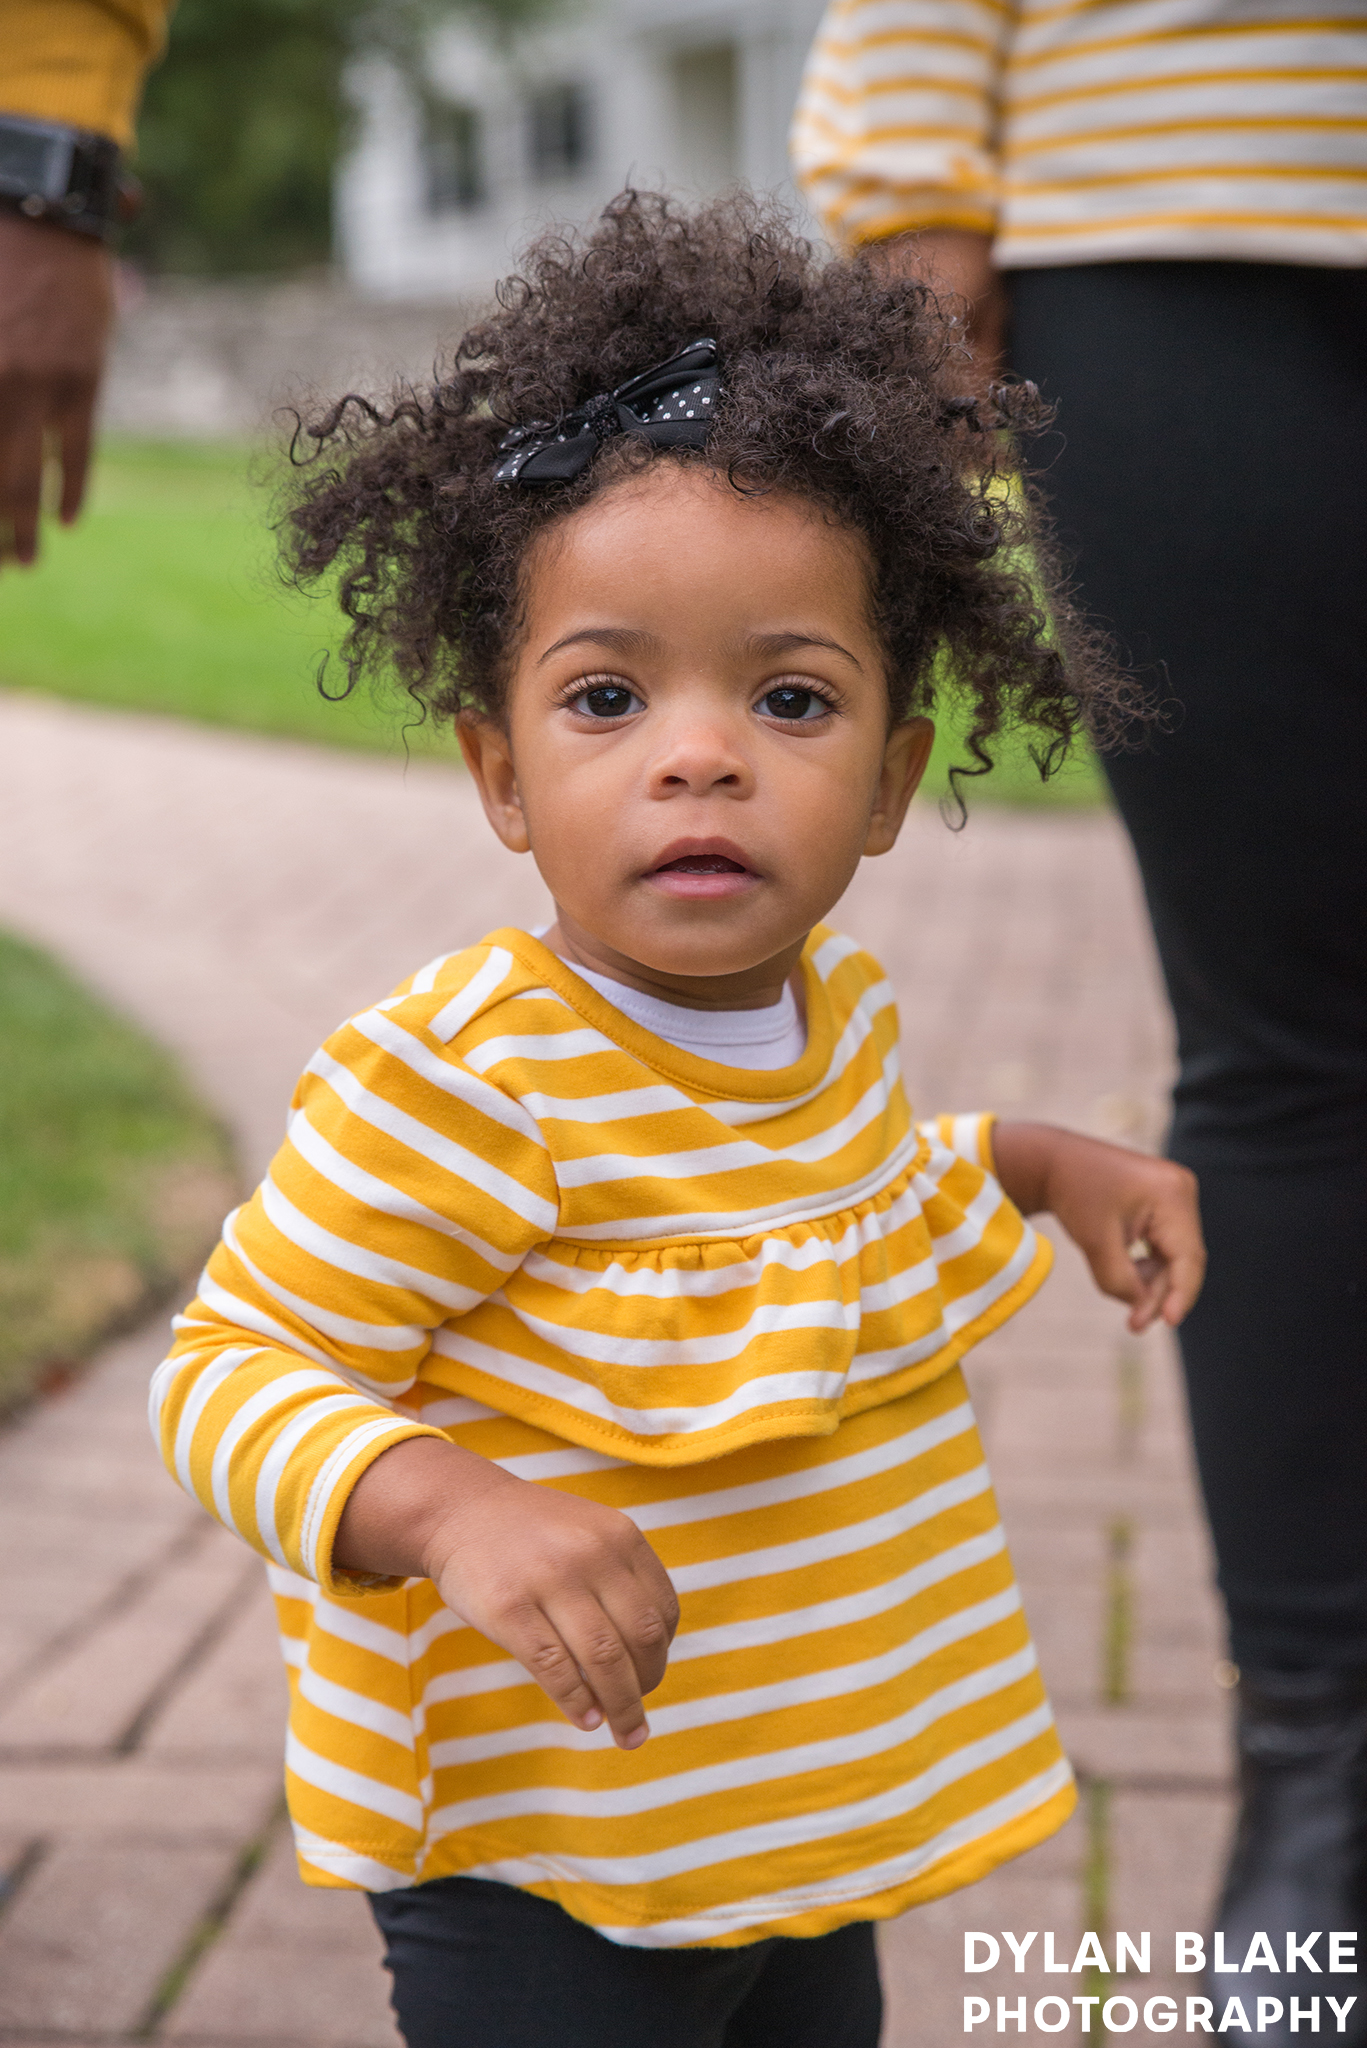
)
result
[(671, 407)]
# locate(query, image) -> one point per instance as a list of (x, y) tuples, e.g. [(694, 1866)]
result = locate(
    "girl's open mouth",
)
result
[(702, 872), (702, 864)]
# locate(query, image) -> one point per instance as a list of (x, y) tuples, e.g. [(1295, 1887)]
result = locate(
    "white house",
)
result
[(446, 180)]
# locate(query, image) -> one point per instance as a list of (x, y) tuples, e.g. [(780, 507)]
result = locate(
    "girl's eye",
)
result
[(789, 702), (606, 700)]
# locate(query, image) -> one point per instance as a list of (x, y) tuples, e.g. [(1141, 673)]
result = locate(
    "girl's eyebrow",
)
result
[(631, 640), (621, 639), (784, 643)]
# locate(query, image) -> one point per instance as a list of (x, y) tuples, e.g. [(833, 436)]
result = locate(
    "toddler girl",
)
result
[(595, 1334)]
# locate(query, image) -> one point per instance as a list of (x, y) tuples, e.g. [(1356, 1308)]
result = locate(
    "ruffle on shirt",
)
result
[(672, 1354)]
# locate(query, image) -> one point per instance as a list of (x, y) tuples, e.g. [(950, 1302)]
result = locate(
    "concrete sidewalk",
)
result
[(240, 897)]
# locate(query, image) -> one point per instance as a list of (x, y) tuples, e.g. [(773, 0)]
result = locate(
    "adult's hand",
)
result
[(958, 264), (56, 306)]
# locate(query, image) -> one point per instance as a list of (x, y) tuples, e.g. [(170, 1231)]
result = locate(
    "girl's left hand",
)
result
[(1135, 1218)]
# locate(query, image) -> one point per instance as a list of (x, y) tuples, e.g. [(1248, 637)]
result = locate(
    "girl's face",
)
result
[(696, 747)]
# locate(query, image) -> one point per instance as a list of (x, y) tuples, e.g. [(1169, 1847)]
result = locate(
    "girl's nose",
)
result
[(698, 758)]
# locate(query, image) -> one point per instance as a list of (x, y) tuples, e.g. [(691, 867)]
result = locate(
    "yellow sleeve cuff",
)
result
[(80, 61)]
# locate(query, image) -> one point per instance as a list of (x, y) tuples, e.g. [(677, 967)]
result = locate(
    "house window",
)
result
[(453, 156), (559, 131)]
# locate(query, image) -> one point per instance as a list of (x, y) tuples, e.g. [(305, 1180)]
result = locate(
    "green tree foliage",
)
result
[(239, 132), (243, 124), (246, 117)]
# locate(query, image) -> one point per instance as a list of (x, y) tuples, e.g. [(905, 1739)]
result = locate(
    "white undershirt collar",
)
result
[(762, 1040)]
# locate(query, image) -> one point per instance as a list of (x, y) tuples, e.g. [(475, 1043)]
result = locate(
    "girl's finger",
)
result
[(1186, 1273), (1113, 1269), (1176, 1236), (1152, 1276), (544, 1655), (646, 1632), (606, 1666)]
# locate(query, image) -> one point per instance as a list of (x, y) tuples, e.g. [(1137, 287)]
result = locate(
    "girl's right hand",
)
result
[(568, 1587)]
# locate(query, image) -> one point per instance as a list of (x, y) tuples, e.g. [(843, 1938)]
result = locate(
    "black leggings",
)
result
[(481, 1965), (1209, 473)]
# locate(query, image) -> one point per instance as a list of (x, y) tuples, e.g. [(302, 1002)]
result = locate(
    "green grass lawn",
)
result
[(113, 1178), (164, 599)]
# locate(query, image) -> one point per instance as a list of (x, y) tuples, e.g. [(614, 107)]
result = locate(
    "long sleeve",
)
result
[(406, 1192), (896, 122), (1162, 129), (80, 61)]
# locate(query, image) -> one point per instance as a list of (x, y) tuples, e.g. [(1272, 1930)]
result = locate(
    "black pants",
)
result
[(481, 1965), (1209, 474)]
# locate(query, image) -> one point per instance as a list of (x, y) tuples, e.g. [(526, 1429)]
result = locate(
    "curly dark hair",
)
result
[(841, 383)]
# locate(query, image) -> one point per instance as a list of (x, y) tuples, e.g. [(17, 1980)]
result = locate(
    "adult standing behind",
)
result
[(71, 73), (1164, 204)]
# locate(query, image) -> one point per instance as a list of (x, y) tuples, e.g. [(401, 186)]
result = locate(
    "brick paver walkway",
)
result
[(241, 897)]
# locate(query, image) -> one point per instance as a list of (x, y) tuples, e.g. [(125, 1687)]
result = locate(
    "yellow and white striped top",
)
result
[(729, 1303), (1091, 131)]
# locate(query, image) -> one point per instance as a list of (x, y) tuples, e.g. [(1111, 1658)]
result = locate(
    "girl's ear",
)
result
[(489, 759), (904, 763)]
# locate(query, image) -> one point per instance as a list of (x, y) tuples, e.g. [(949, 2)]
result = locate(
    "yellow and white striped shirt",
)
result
[(729, 1303), (1093, 131)]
